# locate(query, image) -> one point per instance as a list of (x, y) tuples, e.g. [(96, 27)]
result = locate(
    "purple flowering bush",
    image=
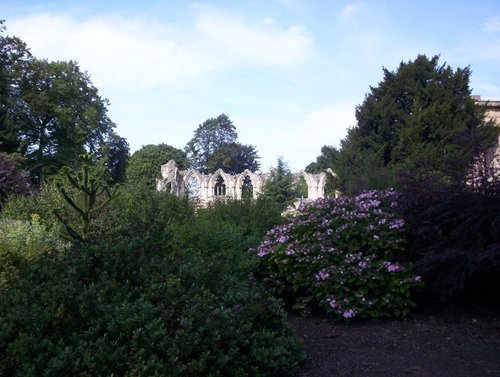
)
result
[(340, 253)]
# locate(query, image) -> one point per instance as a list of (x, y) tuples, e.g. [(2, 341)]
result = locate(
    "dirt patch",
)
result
[(444, 344)]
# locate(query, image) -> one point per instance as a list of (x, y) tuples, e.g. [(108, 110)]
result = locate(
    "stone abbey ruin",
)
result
[(208, 187)]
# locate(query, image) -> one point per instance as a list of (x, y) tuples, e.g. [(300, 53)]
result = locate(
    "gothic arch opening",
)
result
[(247, 188), (220, 186), (301, 186), (193, 187)]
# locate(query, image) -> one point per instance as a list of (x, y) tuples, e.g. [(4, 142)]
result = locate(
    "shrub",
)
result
[(21, 242), (13, 179), (454, 241), (135, 303), (341, 253), (251, 218), (42, 204)]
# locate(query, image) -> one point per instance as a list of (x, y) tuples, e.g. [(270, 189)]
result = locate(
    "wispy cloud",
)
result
[(117, 52), (265, 42), (137, 52)]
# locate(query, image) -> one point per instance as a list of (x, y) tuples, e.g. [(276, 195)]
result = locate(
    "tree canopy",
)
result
[(281, 186), (51, 113), (214, 145), (327, 159), (234, 158), (420, 119), (144, 164)]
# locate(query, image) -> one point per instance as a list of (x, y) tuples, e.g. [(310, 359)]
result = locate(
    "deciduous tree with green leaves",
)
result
[(50, 112), (208, 138), (144, 164), (214, 146), (234, 158)]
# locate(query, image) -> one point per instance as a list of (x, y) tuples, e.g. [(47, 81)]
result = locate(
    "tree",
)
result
[(280, 186), (59, 116), (115, 153), (144, 164), (49, 111), (209, 138), (419, 119), (234, 158), (14, 60), (326, 160)]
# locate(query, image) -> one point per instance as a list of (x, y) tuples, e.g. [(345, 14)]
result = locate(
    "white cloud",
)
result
[(118, 52), (137, 53), (492, 24), (264, 43)]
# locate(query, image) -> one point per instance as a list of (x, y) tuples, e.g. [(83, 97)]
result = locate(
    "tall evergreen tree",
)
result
[(420, 119), (280, 185)]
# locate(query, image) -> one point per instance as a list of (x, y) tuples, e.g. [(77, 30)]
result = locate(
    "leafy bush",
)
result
[(251, 218), (42, 204), (21, 242), (454, 241), (135, 302), (13, 179), (142, 216), (341, 254)]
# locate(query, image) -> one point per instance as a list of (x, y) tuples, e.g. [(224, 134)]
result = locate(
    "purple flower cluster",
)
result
[(393, 268), (349, 313), (340, 249), (322, 275)]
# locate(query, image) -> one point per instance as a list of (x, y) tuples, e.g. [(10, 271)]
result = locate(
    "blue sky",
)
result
[(289, 73)]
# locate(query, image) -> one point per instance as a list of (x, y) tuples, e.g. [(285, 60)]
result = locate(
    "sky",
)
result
[(288, 73)]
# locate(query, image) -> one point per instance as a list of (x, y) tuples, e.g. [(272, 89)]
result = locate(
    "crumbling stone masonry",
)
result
[(208, 187)]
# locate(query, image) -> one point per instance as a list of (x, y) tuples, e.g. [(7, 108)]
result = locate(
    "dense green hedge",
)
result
[(143, 299)]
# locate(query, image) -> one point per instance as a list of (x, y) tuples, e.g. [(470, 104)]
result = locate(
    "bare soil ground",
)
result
[(427, 344)]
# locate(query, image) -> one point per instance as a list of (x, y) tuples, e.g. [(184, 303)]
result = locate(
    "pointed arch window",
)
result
[(247, 188), (193, 187), (220, 186)]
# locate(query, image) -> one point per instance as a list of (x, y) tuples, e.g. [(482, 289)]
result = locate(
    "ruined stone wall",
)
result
[(208, 187), (492, 113)]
